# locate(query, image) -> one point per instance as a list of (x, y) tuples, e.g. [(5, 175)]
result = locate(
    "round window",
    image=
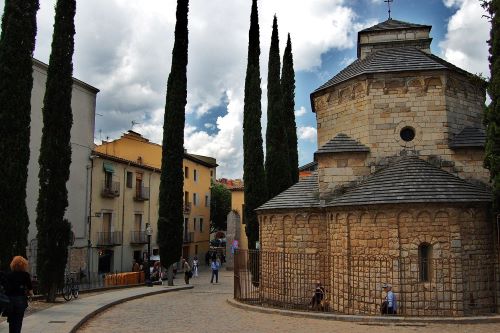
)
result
[(407, 134)]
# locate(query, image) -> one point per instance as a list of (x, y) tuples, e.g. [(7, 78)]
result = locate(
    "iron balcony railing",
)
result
[(138, 237), (187, 208), (188, 237), (141, 194), (109, 238), (110, 189)]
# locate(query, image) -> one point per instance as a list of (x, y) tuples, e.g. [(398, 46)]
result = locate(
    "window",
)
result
[(407, 133), (129, 179), (195, 199), (196, 249), (201, 225), (137, 222), (186, 198), (211, 173), (207, 204), (425, 262), (138, 184), (106, 222), (186, 172), (195, 175), (186, 224), (194, 224), (156, 252)]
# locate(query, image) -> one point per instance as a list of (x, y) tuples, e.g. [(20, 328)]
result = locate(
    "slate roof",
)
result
[(411, 180), (311, 166), (470, 137), (341, 144), (391, 60), (304, 194), (392, 24)]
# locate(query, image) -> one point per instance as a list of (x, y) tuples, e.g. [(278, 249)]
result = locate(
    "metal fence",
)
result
[(353, 284)]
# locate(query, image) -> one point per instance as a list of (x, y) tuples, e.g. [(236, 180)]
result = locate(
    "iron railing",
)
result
[(188, 237), (138, 237), (141, 193), (458, 286), (109, 238), (110, 189), (187, 208)]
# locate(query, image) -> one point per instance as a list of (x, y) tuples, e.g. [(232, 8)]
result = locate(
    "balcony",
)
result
[(109, 238), (138, 237), (110, 189), (187, 208), (188, 237), (141, 193)]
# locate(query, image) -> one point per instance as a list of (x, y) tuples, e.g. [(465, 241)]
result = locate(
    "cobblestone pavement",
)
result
[(204, 309)]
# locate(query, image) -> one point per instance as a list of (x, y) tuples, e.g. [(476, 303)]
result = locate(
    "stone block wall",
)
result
[(354, 250)]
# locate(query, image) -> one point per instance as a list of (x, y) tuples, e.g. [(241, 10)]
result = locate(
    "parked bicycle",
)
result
[(71, 288)]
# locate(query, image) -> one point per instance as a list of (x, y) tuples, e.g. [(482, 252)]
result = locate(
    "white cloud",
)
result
[(307, 133), (465, 44), (300, 112)]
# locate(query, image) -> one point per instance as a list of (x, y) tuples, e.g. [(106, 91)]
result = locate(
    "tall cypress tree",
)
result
[(288, 91), (277, 167), (170, 212), (492, 116), (17, 43), (253, 166), (55, 154)]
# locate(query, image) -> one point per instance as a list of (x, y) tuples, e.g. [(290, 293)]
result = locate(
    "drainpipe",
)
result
[(123, 214), (89, 216), (149, 201)]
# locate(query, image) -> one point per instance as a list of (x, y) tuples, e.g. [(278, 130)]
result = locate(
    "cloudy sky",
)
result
[(124, 47)]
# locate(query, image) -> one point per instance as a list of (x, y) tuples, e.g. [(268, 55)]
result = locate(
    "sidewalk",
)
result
[(66, 317)]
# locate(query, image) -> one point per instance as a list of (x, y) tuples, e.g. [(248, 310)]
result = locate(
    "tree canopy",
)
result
[(220, 206)]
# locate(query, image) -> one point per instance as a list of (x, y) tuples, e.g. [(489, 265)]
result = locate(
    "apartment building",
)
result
[(125, 201)]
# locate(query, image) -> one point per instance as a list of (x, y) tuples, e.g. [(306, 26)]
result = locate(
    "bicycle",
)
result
[(71, 289)]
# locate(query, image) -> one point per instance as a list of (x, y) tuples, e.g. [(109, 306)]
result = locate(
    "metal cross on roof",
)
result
[(389, 5)]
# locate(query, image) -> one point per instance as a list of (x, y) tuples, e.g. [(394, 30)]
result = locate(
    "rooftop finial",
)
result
[(389, 5)]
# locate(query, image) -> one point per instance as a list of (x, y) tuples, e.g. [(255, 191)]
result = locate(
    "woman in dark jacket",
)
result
[(18, 289)]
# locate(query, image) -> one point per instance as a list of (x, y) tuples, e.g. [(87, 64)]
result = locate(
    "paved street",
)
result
[(204, 309)]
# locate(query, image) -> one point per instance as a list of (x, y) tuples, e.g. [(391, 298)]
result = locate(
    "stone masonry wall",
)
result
[(352, 251)]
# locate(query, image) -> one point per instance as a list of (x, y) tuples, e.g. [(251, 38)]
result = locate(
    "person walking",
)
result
[(215, 271), (187, 271), (389, 305), (18, 289), (195, 266)]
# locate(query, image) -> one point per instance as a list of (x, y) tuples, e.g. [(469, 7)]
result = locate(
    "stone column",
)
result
[(233, 233)]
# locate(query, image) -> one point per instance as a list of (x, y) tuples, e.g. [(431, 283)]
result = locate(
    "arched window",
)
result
[(425, 262)]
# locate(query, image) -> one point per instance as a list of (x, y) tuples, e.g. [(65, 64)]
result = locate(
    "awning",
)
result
[(108, 167)]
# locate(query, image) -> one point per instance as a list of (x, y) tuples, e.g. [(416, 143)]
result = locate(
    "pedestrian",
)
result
[(389, 305), (18, 289), (187, 271), (318, 296), (195, 266), (215, 271), (135, 266)]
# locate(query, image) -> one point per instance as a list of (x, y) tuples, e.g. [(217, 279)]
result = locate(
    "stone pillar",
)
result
[(233, 233)]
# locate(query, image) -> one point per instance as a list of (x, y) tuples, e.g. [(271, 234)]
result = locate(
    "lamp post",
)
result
[(149, 233)]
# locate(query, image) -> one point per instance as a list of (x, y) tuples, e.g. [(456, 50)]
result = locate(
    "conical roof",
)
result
[(411, 180), (342, 143)]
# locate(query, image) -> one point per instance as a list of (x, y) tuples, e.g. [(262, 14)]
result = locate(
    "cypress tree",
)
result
[(277, 167), (492, 115), (253, 165), (288, 90), (55, 154), (170, 212), (17, 43)]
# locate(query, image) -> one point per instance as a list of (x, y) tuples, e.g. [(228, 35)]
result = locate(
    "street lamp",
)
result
[(149, 233)]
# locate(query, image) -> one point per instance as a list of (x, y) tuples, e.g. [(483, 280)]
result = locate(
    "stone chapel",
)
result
[(400, 194)]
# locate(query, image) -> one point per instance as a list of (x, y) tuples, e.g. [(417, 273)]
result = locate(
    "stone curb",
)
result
[(367, 319), (123, 300)]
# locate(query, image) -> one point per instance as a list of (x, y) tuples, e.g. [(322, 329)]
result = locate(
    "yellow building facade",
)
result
[(237, 205), (125, 200)]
